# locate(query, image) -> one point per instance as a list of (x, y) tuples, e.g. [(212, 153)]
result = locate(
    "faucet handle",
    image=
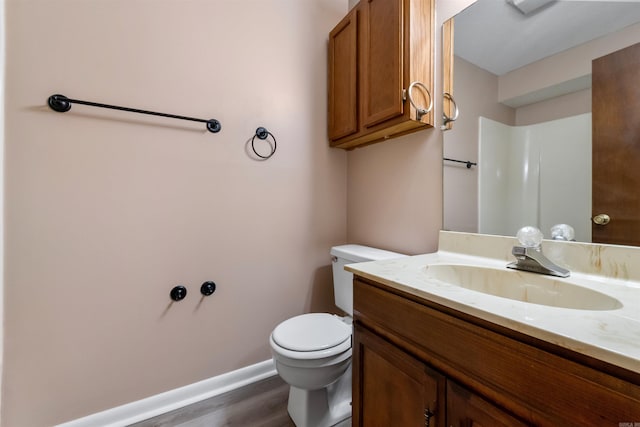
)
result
[(530, 237), (563, 232)]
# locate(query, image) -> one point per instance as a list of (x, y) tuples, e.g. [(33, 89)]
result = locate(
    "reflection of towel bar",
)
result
[(467, 162)]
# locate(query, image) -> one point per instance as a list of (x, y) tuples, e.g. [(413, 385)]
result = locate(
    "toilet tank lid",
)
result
[(359, 253)]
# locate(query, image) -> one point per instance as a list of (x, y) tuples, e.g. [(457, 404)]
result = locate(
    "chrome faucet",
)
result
[(532, 259), (529, 256)]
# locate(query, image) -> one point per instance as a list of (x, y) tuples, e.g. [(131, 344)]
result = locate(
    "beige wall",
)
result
[(559, 107), (395, 187), (564, 72), (476, 93), (2, 252), (107, 211), (552, 88)]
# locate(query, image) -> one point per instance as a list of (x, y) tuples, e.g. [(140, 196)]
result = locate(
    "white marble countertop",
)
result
[(609, 335)]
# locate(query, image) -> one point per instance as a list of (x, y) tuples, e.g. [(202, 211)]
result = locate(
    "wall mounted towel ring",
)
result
[(419, 111), (263, 133), (62, 104), (446, 119)]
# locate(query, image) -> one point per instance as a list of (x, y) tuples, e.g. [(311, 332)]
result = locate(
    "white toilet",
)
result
[(312, 352)]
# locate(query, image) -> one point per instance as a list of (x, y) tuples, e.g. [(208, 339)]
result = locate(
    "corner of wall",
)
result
[(2, 83)]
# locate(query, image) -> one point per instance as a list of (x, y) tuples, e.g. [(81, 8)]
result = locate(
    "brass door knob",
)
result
[(602, 219)]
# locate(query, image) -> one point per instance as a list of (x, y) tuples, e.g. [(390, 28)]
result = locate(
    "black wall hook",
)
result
[(178, 293), (208, 288), (262, 134)]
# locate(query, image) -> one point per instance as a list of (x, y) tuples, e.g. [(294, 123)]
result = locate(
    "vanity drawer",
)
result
[(538, 385)]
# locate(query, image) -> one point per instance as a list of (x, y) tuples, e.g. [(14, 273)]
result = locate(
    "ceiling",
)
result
[(497, 37)]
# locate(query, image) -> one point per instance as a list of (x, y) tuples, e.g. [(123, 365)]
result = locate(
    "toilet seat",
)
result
[(311, 332), (312, 336)]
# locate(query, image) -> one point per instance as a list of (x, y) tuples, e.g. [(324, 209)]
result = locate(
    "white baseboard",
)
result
[(162, 403)]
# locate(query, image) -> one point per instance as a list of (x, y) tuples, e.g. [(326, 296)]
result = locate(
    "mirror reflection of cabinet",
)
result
[(449, 108), (375, 54)]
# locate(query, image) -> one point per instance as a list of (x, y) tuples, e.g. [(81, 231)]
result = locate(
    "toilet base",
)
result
[(326, 407)]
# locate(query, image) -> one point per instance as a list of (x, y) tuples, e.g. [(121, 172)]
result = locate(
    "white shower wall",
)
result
[(535, 175)]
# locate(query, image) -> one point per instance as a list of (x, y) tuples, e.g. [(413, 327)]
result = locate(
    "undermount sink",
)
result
[(522, 286)]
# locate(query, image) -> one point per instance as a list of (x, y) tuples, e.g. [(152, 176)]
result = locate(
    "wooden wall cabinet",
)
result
[(416, 363), (375, 53)]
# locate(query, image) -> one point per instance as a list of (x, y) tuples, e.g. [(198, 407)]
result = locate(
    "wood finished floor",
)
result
[(263, 404)]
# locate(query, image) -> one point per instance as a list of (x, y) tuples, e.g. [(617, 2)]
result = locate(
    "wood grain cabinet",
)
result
[(417, 363), (375, 53), (467, 409), (394, 388)]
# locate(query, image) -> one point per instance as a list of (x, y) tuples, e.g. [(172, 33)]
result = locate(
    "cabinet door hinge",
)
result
[(427, 416)]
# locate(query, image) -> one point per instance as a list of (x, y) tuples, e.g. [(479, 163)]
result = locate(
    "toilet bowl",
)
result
[(312, 352)]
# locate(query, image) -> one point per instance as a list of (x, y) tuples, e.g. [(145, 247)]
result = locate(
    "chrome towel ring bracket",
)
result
[(420, 112), (263, 134), (446, 119)]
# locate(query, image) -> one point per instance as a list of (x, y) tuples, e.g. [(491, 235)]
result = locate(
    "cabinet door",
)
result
[(343, 77), (391, 388), (382, 61), (465, 409)]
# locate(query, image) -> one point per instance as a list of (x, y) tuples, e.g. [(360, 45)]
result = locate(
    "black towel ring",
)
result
[(262, 133)]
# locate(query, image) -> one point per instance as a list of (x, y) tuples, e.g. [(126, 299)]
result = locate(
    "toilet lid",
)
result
[(311, 332)]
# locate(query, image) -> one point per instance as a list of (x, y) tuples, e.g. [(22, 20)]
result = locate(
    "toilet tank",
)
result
[(343, 280)]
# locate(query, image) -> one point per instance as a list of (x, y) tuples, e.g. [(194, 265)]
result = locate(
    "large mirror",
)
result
[(522, 80)]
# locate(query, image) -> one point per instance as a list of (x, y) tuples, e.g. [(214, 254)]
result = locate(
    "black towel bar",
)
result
[(467, 162), (61, 104)]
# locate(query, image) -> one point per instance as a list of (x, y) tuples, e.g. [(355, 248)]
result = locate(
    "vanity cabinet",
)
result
[(414, 359), (394, 388), (465, 408), (375, 53)]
